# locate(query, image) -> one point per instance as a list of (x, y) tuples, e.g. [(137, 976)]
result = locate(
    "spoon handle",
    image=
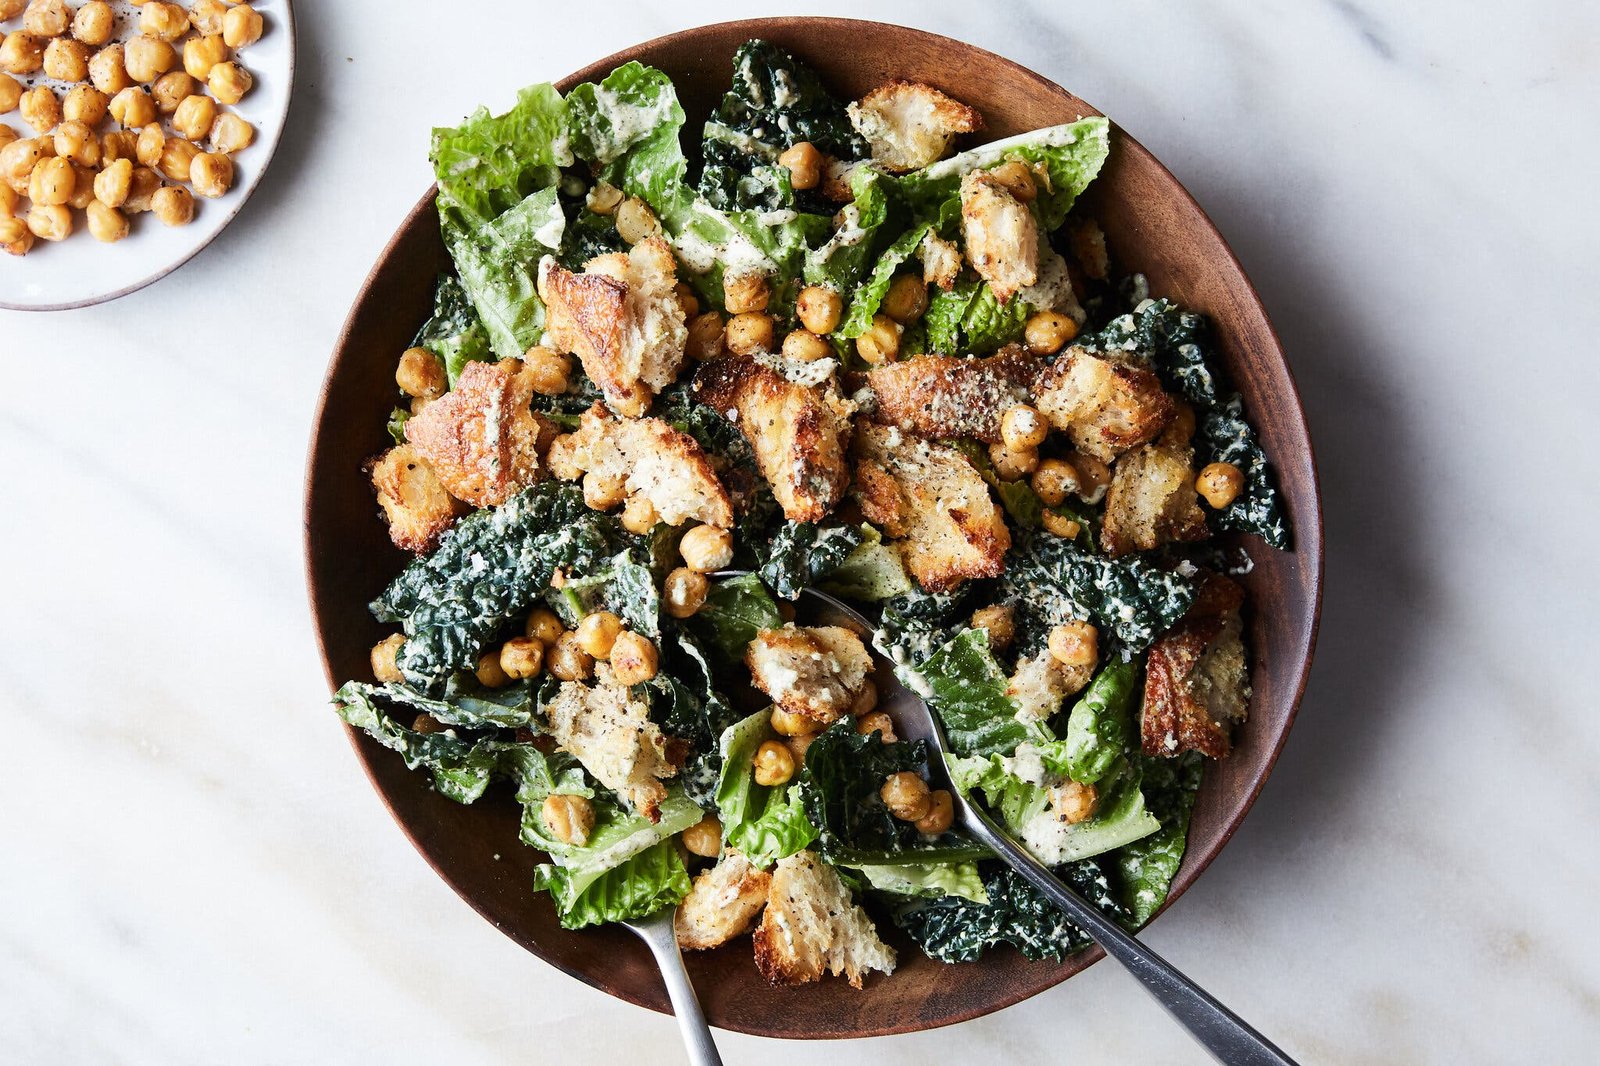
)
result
[(1217, 1028), (663, 944)]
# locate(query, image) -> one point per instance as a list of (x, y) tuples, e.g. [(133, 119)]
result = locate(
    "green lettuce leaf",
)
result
[(454, 332), (491, 163), (839, 261), (965, 686), (736, 609), (1023, 805), (764, 823), (873, 572), (929, 880), (618, 834), (498, 262), (1147, 866), (1100, 728), (636, 888), (869, 294)]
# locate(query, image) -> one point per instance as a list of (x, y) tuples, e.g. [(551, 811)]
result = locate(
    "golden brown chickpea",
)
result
[(7, 135), (799, 745), (1073, 802), (241, 26), (880, 343), (15, 236), (706, 549), (746, 292), (177, 159), (1054, 480), (634, 659), (547, 370), (426, 724), (94, 23), (19, 158), (85, 104), (749, 333), (521, 657), (151, 143), (1220, 484), (52, 182), (66, 60), (82, 187), (108, 69), (1000, 622), (40, 109), (142, 189), (147, 58), (1181, 429), (941, 814), (906, 299), (604, 198), (804, 163), (47, 18), (597, 632), (906, 795), (119, 144), (560, 458), (774, 764), (489, 673), (211, 174), (165, 21), (686, 300), (206, 17), (704, 838), (635, 221), (544, 626), (602, 493), (705, 336), (111, 184), (172, 205), (639, 515), (1093, 476), (10, 9), (866, 700), (1075, 644), (1059, 524), (788, 724), (50, 222), (567, 661), (1047, 331), (1010, 464), (385, 659), (133, 108), (803, 346), (195, 116), (9, 199), (10, 93), (230, 133), (1023, 427), (419, 373), (77, 142), (1017, 177), (172, 89), (202, 54), (570, 819), (685, 592), (819, 309), (877, 722), (21, 53)]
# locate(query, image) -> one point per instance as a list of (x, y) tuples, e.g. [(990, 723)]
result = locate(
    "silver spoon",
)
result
[(1218, 1029), (659, 936)]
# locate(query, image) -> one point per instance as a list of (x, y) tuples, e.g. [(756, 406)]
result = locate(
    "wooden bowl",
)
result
[(1152, 224)]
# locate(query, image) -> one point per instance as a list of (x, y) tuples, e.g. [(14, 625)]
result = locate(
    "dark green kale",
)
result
[(566, 408), (801, 554), (454, 332), (684, 701), (587, 234), (916, 624), (736, 609)]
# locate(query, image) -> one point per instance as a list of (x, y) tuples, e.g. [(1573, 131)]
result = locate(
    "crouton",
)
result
[(611, 733), (836, 177), (1088, 243), (414, 500), (481, 438), (909, 125), (662, 464), (1000, 234), (1197, 681), (812, 926), (941, 261), (952, 529), (622, 319), (723, 903), (944, 397), (797, 431), (1104, 406), (814, 671), (1041, 682), (1152, 500)]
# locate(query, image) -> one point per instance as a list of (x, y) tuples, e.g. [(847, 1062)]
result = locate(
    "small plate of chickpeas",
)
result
[(131, 133)]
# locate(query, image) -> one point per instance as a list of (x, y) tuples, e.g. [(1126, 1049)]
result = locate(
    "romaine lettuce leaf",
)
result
[(498, 261), (1147, 866), (966, 688), (929, 880), (838, 262), (869, 294), (874, 571), (491, 163), (801, 553), (635, 888), (764, 823), (1100, 728)]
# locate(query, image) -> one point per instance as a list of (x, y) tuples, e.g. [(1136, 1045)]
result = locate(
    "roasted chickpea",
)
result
[(172, 89), (639, 514), (746, 292), (686, 300), (94, 23), (877, 722), (52, 182), (706, 549), (77, 142), (1017, 177), (805, 165), (82, 187), (211, 173), (866, 700), (1059, 524), (142, 189), (906, 299), (880, 343), (47, 18), (119, 144), (749, 333), (521, 657), (40, 109), (230, 133), (133, 108), (906, 795), (1023, 427), (1073, 802), (229, 82), (1054, 480), (85, 104), (419, 373), (108, 69), (603, 492), (1181, 429), (66, 60), (173, 205), (19, 158), (635, 221), (803, 346), (151, 143), (1012, 464), (1047, 331), (705, 336), (547, 370), (1220, 484), (10, 93), (489, 673), (202, 54), (999, 621), (1075, 644), (788, 724), (567, 660), (10, 9), (799, 745), (544, 626), (9, 198), (598, 632), (704, 838), (385, 656), (941, 813), (634, 659), (111, 184), (194, 117), (165, 21), (819, 309), (774, 764), (147, 58), (1093, 476), (603, 198), (206, 17), (50, 222), (570, 819), (21, 53), (15, 236), (426, 724), (177, 159), (106, 224), (241, 26), (685, 592), (561, 458)]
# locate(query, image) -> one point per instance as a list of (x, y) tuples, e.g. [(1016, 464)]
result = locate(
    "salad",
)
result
[(655, 401)]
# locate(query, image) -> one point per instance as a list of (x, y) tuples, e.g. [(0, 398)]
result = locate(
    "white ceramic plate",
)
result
[(80, 270)]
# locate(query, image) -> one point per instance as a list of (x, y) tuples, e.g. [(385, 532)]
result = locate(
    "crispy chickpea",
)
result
[(7, 135), (15, 236), (1023, 427), (82, 187), (1012, 464), (241, 26), (547, 370), (40, 109), (634, 659), (560, 458), (602, 492), (426, 724), (165, 21), (147, 58), (1220, 484), (151, 143), (1016, 176), (111, 184), (1059, 524), (999, 621), (635, 221), (603, 199), (685, 592), (819, 309), (1054, 480), (19, 158), (419, 373), (866, 700), (705, 336), (66, 60), (788, 724), (1047, 331), (774, 764), (706, 549), (1075, 644), (133, 108), (1073, 802), (21, 53), (10, 93), (686, 300), (544, 625), (94, 23), (206, 17), (746, 292), (906, 795), (749, 333), (202, 54), (704, 838), (119, 144), (598, 632), (521, 657), (194, 117), (1093, 476), (47, 18), (50, 222), (85, 104), (9, 198), (229, 82), (805, 165), (172, 89), (880, 343), (803, 346), (385, 659), (877, 722), (799, 745), (489, 673), (177, 160), (77, 142), (172, 205), (230, 133), (211, 174), (106, 224), (52, 182), (570, 819), (639, 514), (1181, 429), (906, 299), (10, 9), (941, 813), (108, 69), (142, 189)]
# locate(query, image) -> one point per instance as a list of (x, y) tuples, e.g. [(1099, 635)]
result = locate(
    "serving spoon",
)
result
[(661, 938)]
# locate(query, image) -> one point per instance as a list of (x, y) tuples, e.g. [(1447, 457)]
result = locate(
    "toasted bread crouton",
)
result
[(880, 499), (815, 671), (1197, 680), (944, 397), (836, 178), (1000, 234), (909, 125), (611, 733), (1088, 243), (662, 464), (1041, 682), (797, 431), (941, 261), (812, 926), (1152, 500), (952, 529), (622, 319), (1105, 407), (414, 500), (723, 903), (481, 438)]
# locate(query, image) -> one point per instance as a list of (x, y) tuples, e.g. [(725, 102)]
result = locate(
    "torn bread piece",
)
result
[(611, 733), (1000, 234), (723, 903), (797, 431), (1041, 683), (481, 439), (1197, 679), (931, 498), (814, 671), (1104, 406), (1152, 500), (941, 261), (909, 125), (664, 465), (943, 396), (415, 503), (621, 318), (812, 926)]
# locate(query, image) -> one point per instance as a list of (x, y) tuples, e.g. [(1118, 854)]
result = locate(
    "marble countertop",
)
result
[(194, 869)]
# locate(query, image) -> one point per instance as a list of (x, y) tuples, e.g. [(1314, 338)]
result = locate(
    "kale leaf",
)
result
[(454, 332), (801, 554), (736, 609)]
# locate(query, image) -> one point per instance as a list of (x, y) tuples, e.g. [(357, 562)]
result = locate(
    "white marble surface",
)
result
[(193, 870)]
